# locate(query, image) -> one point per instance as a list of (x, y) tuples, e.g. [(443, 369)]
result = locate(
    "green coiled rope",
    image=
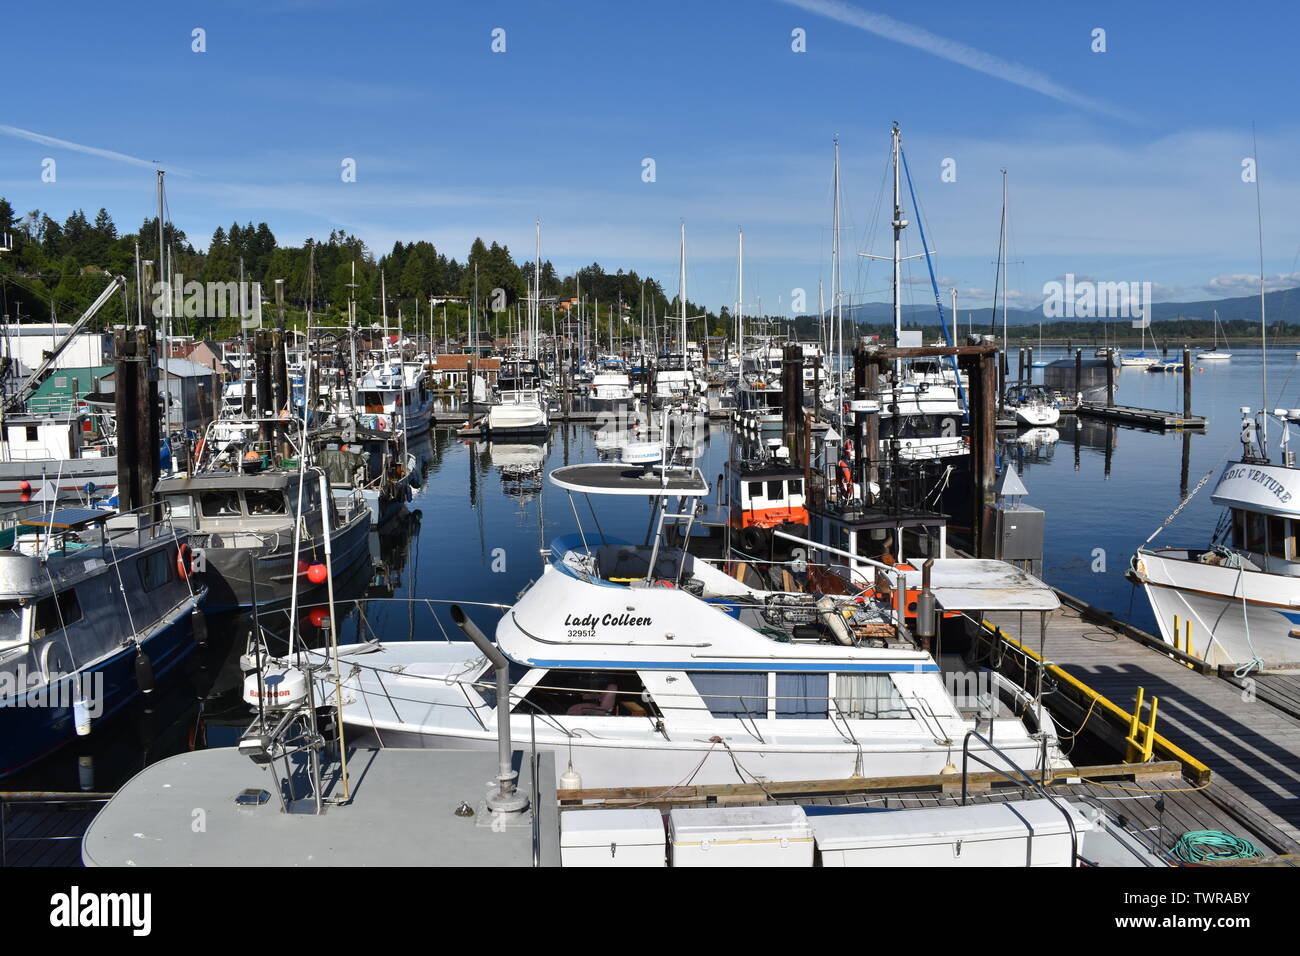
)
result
[(1208, 846)]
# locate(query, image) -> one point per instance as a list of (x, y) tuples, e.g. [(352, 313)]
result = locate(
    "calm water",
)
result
[(484, 512)]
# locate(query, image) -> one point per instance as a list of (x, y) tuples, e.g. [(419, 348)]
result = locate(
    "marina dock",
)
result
[(1248, 747), (1140, 417)]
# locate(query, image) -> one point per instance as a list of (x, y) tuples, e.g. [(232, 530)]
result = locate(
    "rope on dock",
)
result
[(1210, 846)]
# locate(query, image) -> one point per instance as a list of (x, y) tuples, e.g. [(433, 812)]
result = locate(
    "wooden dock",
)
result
[(1139, 417), (1248, 738), (45, 829)]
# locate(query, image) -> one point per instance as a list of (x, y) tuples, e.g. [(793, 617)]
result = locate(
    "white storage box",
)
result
[(741, 836), (1015, 833), (622, 837)]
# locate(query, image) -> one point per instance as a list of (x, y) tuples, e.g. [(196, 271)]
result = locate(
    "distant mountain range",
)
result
[(1280, 306)]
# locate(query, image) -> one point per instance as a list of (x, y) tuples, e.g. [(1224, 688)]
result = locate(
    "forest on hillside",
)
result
[(55, 270)]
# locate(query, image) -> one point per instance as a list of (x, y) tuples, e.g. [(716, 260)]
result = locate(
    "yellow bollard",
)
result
[(1149, 745), (1133, 751), (1187, 639)]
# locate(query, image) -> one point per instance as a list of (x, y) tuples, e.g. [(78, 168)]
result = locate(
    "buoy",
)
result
[(318, 616), (570, 779), (143, 672), (317, 574), (24, 485), (81, 716)]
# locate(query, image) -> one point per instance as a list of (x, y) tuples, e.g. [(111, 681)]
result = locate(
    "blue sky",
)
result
[(1123, 165)]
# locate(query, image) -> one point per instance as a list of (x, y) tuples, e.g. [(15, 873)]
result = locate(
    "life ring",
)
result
[(846, 479), (664, 583), (198, 450), (184, 561), (848, 449)]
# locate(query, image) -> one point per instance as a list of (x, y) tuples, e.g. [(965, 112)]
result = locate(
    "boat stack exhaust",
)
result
[(507, 799)]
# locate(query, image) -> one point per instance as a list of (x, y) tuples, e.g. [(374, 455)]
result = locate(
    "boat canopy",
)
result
[(618, 478), (977, 584)]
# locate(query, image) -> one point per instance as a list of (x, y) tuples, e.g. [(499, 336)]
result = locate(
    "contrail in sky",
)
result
[(80, 148), (957, 52)]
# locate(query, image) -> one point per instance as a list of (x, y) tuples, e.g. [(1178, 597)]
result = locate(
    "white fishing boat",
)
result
[(640, 665), (1236, 601)]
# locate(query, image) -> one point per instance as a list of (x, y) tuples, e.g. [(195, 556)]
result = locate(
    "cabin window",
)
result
[(755, 489), (733, 695), (155, 570), (486, 682), (796, 486), (57, 612), (180, 506), (1279, 544), (11, 623), (32, 433), (264, 502), (219, 504), (1255, 538), (868, 697), (775, 490), (802, 696), (589, 694)]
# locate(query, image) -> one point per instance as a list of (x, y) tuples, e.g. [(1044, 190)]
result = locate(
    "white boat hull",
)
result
[(1225, 629)]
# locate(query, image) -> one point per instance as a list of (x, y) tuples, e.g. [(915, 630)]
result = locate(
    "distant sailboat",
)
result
[(1138, 359), (1216, 354)]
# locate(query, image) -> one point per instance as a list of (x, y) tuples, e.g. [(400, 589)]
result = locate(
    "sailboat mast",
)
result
[(740, 296), (899, 225)]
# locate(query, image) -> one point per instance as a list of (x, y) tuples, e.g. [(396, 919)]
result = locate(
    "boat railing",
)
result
[(1017, 776)]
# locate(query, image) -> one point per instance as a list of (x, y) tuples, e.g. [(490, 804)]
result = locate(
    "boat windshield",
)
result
[(11, 619)]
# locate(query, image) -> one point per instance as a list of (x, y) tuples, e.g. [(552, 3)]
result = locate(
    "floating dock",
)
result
[(1140, 417)]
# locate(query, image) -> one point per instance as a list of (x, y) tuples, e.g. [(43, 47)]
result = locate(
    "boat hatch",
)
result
[(976, 584)]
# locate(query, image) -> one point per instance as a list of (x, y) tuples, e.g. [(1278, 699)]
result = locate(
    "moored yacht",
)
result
[(640, 665)]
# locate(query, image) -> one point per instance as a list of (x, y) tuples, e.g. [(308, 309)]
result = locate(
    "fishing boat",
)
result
[(94, 606), (639, 665), (1234, 601), (1215, 354), (261, 523), (63, 448)]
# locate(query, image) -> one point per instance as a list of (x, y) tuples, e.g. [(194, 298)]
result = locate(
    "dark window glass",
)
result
[(775, 490), (802, 696), (796, 486), (589, 694), (733, 695), (217, 504), (264, 502), (32, 433), (755, 489), (1255, 525), (1277, 537), (57, 611), (155, 570)]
